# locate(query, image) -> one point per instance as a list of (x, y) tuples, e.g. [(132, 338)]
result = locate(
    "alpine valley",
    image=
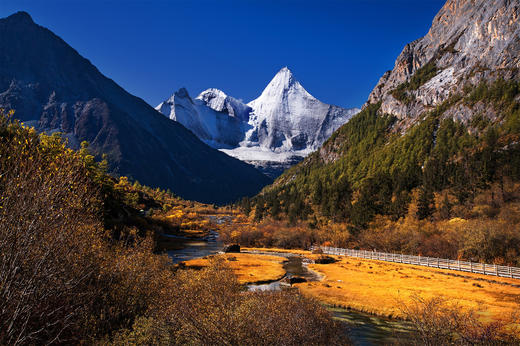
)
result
[(289, 221), (273, 132)]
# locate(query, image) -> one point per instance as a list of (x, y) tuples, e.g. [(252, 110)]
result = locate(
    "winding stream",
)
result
[(364, 329)]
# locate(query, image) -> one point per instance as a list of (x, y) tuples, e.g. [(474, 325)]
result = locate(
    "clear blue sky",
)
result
[(338, 49)]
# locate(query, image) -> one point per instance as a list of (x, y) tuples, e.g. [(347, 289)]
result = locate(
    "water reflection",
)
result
[(196, 248)]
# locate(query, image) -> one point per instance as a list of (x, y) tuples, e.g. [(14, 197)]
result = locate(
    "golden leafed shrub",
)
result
[(209, 307), (436, 321), (50, 235)]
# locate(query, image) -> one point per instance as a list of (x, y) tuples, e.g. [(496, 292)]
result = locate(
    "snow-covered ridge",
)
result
[(219, 101), (284, 124), (218, 129)]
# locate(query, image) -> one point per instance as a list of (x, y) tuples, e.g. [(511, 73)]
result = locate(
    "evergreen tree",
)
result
[(425, 203), (245, 205), (445, 209)]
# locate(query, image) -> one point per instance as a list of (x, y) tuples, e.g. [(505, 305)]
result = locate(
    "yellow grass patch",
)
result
[(377, 287), (249, 268), (456, 220)]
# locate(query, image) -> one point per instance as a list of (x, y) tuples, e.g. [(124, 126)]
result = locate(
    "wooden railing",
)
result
[(464, 266)]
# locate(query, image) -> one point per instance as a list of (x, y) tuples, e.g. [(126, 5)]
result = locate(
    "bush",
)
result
[(437, 322), (64, 280), (208, 306), (50, 231)]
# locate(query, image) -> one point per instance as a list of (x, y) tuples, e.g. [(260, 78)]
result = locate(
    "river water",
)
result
[(195, 248), (364, 329)]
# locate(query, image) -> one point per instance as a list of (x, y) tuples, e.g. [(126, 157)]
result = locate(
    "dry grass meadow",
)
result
[(381, 288), (249, 268)]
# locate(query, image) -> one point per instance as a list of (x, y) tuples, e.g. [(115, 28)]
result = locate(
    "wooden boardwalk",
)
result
[(470, 267)]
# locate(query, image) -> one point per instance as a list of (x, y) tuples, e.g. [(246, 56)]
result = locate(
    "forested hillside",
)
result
[(366, 168), (368, 178), (438, 131)]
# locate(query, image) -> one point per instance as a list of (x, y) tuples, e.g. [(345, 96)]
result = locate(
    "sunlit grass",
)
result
[(249, 268), (380, 287)]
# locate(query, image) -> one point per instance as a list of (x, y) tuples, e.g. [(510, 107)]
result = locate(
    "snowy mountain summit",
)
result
[(287, 118), (276, 130)]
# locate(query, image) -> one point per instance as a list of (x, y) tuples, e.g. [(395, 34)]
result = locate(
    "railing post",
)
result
[(496, 270), (438, 263), (458, 262), (471, 266), (510, 272), (484, 268)]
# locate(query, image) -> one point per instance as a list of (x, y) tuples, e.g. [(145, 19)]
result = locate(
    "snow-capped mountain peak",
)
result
[(182, 92), (283, 125), (280, 86), (213, 116), (288, 118)]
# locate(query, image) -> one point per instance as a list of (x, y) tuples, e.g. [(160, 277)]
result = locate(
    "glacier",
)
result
[(273, 132)]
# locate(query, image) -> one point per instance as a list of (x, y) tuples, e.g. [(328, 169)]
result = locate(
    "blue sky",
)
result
[(337, 49)]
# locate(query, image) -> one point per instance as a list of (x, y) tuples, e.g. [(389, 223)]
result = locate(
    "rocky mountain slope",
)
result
[(469, 41), (51, 87), (276, 130), (446, 117)]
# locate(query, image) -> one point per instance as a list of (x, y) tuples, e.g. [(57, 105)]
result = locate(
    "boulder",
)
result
[(297, 280), (232, 248), (324, 260)]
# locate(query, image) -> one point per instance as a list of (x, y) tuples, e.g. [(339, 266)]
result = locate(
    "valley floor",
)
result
[(382, 288)]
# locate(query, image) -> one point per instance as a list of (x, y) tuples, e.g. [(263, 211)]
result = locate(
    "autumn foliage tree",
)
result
[(49, 233)]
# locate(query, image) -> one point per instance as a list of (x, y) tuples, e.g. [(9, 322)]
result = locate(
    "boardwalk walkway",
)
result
[(470, 267)]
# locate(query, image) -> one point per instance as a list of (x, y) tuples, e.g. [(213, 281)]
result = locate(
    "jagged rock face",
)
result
[(51, 87), (469, 41), (273, 132)]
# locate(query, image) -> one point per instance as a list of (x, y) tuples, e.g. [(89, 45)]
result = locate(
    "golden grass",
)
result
[(249, 268), (378, 287)]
